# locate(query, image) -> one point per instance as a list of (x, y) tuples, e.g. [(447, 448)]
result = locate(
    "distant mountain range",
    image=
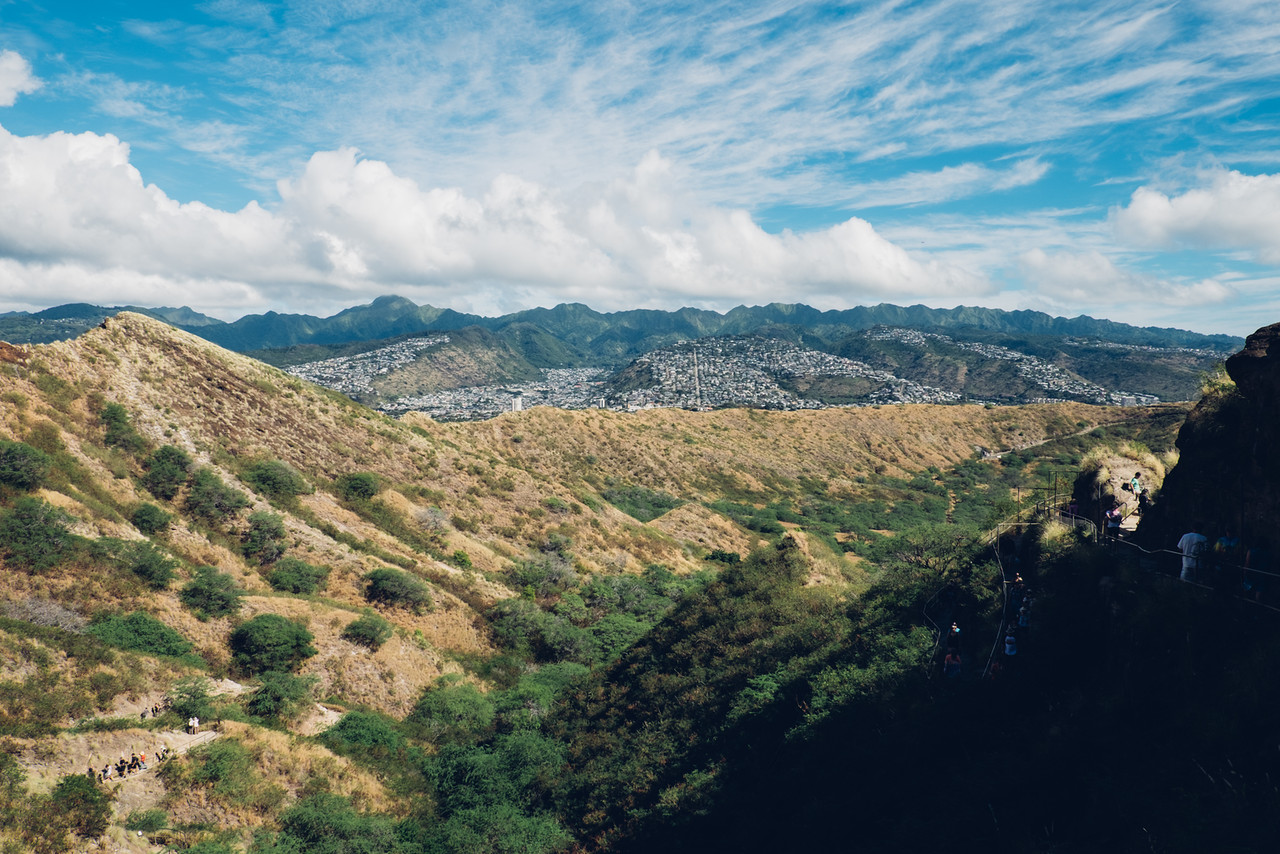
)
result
[(963, 353)]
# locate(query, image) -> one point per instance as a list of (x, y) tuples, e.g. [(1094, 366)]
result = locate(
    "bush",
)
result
[(370, 630), (372, 733), (148, 821), (211, 593), (22, 466), (152, 565), (35, 535), (393, 587), (78, 798), (453, 709), (120, 432), (150, 519), (211, 500), (167, 470), (280, 694), (189, 698), (292, 575), (327, 824), (264, 540), (359, 486), (139, 632), (277, 480), (270, 642)]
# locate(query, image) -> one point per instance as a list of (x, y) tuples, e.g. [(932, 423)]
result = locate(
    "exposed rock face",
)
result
[(1228, 475)]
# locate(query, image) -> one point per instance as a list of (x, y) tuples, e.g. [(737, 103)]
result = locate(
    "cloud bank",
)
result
[(76, 217)]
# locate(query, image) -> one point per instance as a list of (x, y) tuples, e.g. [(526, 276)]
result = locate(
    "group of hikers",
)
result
[(124, 767), (1115, 514), (1227, 564), (1019, 606)]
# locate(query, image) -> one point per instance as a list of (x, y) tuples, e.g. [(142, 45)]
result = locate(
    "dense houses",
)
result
[(1057, 383), (354, 375), (709, 373)]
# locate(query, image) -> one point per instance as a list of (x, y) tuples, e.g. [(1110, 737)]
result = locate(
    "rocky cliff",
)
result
[(1228, 473)]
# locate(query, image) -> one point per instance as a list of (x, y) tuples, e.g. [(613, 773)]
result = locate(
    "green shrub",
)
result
[(280, 694), (139, 632), (371, 733), (369, 630), (453, 710), (724, 556), (211, 593), (393, 587), (120, 432), (292, 575), (22, 466), (327, 824), (189, 697), (35, 535), (640, 502), (152, 565), (270, 642), (211, 500), (148, 821), (150, 519), (359, 486), (460, 559), (167, 470), (264, 540), (277, 480), (78, 798)]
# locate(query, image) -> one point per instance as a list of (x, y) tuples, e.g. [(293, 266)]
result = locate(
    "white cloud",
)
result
[(72, 206), (15, 78), (1231, 210), (1091, 278)]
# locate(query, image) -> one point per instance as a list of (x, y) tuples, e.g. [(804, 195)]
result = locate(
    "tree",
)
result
[(35, 535), (190, 697), (280, 694), (264, 540), (359, 486), (277, 480), (211, 500), (211, 593), (22, 466), (167, 470), (152, 565), (150, 519), (270, 642), (141, 632), (292, 575), (393, 587), (369, 630), (89, 808), (453, 709), (120, 432)]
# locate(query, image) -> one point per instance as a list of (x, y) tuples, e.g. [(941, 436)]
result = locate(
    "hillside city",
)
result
[(705, 374)]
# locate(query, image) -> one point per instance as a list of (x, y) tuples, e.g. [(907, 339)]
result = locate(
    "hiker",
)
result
[(195, 725), (142, 761), (1135, 484), (951, 665), (1113, 521), (1192, 545), (106, 773), (1010, 643)]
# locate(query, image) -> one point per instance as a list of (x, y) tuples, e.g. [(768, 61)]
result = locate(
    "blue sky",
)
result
[(1111, 159)]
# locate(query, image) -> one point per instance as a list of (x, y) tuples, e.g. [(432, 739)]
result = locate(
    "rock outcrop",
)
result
[(1228, 473)]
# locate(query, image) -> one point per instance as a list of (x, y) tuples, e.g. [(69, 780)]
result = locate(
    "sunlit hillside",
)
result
[(164, 498)]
